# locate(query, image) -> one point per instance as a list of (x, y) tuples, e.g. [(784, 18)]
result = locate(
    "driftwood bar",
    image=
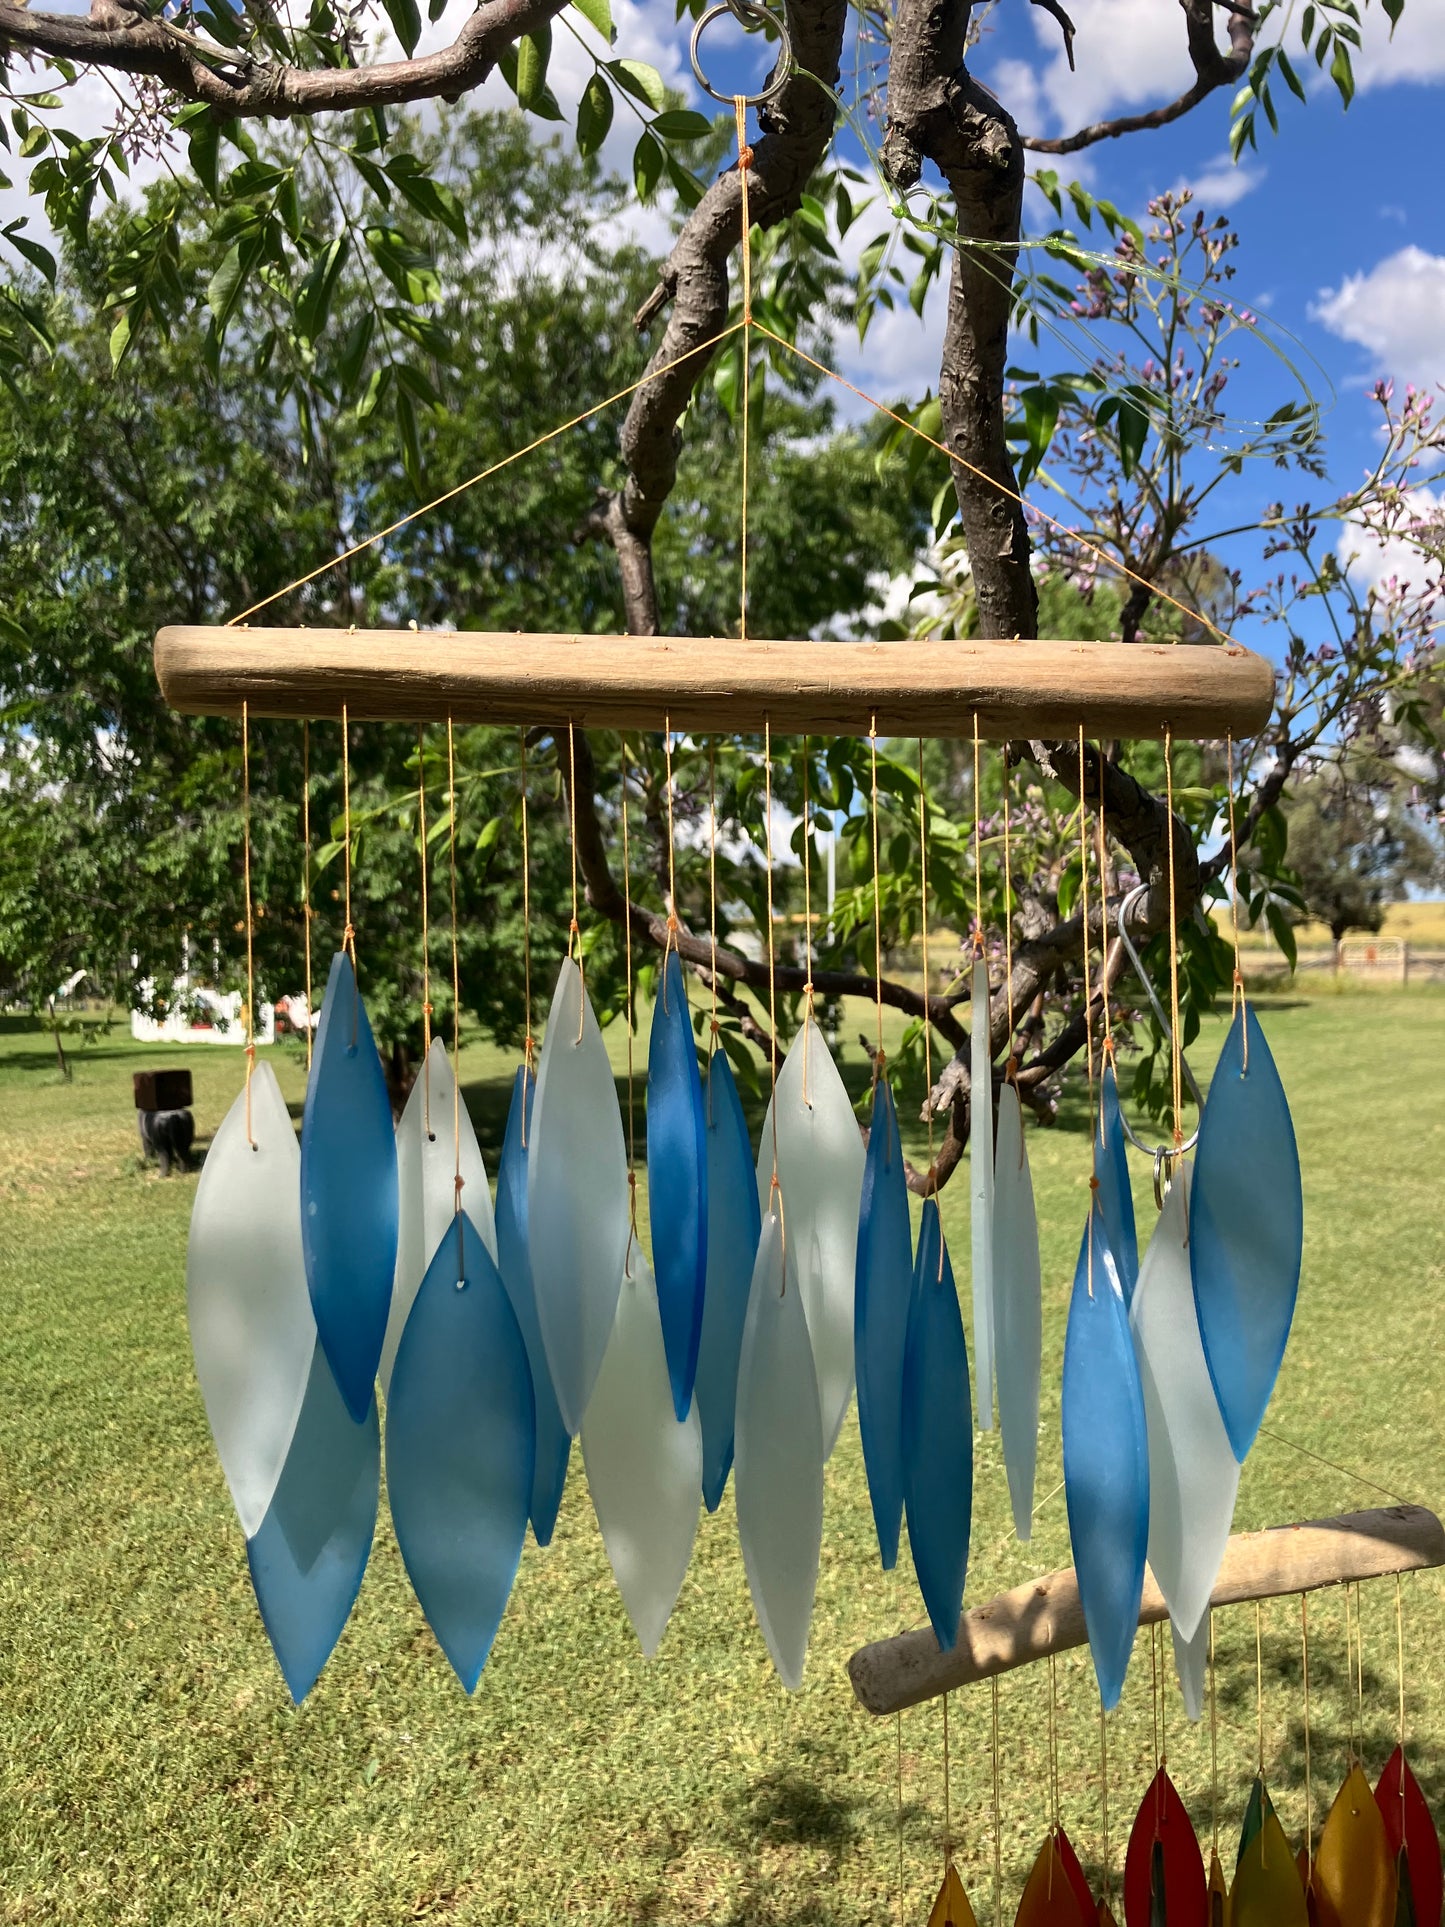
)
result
[(702, 684), (1045, 1616)]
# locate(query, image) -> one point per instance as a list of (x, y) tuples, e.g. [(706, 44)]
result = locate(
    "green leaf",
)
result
[(647, 164), (412, 273), (688, 188), (534, 50), (406, 19), (410, 441), (375, 389), (229, 280), (490, 831), (1393, 10), (1291, 78), (429, 197), (644, 83), (1341, 72), (313, 297), (1282, 931), (598, 14), (120, 337), (353, 354), (594, 115), (682, 124), (37, 256), (205, 152)]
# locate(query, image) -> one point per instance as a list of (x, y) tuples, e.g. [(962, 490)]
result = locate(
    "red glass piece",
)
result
[(1162, 1821), (1074, 1871), (1049, 1900), (1408, 1824)]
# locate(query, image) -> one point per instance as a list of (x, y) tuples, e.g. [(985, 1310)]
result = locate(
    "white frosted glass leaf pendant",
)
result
[(1191, 1662), (644, 1468), (981, 1193), (778, 1460), (820, 1174), (1193, 1473), (252, 1330), (1017, 1308), (577, 1222), (426, 1169)]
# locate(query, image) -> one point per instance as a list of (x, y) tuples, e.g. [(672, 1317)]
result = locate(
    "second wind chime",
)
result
[(373, 1256)]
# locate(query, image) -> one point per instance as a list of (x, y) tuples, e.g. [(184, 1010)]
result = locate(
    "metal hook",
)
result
[(748, 13), (1155, 1151)]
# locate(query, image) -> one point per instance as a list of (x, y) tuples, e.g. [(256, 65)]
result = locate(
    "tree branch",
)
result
[(1213, 69), (117, 35)]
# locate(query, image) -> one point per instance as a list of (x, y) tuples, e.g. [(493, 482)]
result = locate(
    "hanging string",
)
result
[(878, 1057), (627, 961), (1236, 994), (977, 848), (1089, 1022), (1259, 1684), (457, 1180), (528, 1041), (1176, 1052), (426, 1007), (898, 1736), (348, 934), (1106, 1049), (306, 872), (1360, 1661), (947, 1797), (1304, 1615), (1213, 1744), (807, 929), (927, 1026), (574, 929), (997, 1820), (776, 1190), (1011, 1064), (250, 925), (1053, 1744), (673, 926), (1400, 1664), (1163, 1699), (745, 157), (712, 901), (1104, 1801), (1154, 1691)]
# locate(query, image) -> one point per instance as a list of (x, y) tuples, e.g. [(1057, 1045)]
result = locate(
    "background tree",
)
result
[(1356, 844)]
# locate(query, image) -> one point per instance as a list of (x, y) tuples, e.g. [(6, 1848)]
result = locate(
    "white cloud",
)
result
[(1128, 54), (1222, 184), (1371, 560), (1394, 312), (1414, 53)]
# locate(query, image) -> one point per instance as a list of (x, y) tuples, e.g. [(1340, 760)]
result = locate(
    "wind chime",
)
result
[(778, 1277)]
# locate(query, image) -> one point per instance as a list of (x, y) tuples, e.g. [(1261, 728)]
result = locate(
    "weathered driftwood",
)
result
[(1016, 689), (1045, 1616)]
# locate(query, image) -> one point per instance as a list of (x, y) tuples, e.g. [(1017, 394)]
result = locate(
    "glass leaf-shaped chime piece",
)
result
[(1073, 1870), (733, 1224), (348, 1190), (460, 1445), (1191, 1659), (577, 1217), (308, 1556), (1193, 1473), (1354, 1882), (981, 1190), (1106, 1460), (820, 1173), (252, 1330), (1111, 1167), (426, 1173), (951, 1908), (937, 1433), (1218, 1893), (677, 1179), (644, 1465), (883, 1291), (1049, 1898), (1413, 1842), (1267, 1890), (778, 1475), (554, 1444), (1246, 1228), (1163, 1867), (1017, 1308)]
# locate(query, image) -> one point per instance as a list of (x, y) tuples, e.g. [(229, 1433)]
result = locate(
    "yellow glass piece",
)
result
[(1218, 1894), (1049, 1900), (1355, 1884), (1267, 1890), (951, 1909)]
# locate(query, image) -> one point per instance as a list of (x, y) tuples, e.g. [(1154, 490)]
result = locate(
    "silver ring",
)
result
[(1155, 1150), (747, 12)]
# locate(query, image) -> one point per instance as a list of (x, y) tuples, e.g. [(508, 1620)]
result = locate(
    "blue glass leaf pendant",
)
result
[(252, 1331), (1246, 1232), (434, 1121), (644, 1466), (460, 1432), (1017, 1308), (348, 1190), (1106, 1460), (937, 1433), (733, 1223), (677, 1179), (881, 1295), (554, 1445), (309, 1554), (577, 1210), (779, 1472), (1116, 1199)]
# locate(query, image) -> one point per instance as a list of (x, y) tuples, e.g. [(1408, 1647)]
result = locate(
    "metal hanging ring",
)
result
[(1153, 1150), (749, 13)]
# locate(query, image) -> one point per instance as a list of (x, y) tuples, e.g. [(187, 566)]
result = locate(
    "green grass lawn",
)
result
[(153, 1770)]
